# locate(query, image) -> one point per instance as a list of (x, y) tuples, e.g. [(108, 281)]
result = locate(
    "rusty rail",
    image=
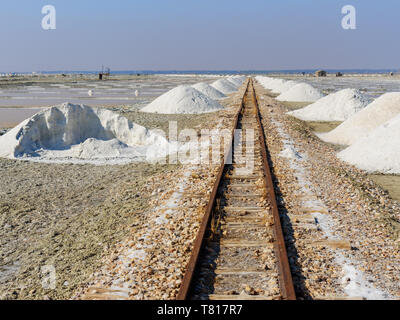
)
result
[(285, 278)]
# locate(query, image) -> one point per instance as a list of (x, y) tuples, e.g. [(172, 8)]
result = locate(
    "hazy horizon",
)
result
[(176, 35)]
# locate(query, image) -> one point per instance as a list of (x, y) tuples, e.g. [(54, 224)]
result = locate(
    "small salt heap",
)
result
[(375, 114), (276, 85), (225, 86), (182, 99), (338, 106), (287, 85), (237, 80), (208, 90), (301, 92)]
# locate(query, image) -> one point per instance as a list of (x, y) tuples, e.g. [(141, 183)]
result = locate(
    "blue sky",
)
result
[(198, 35)]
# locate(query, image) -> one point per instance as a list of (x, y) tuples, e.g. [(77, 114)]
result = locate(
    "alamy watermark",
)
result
[(49, 20), (349, 20), (207, 147)]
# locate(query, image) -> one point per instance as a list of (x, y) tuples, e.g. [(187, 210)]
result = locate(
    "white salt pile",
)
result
[(208, 90), (237, 80), (379, 151), (225, 86), (375, 114), (70, 133), (338, 106), (182, 99), (301, 92), (285, 86), (263, 81), (276, 85)]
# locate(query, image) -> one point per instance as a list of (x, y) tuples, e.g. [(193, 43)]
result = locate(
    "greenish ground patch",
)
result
[(323, 126), (390, 183), (295, 105)]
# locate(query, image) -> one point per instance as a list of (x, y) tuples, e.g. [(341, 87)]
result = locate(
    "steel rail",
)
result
[(198, 243), (285, 278)]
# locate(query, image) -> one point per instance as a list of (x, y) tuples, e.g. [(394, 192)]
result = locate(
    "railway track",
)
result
[(239, 252)]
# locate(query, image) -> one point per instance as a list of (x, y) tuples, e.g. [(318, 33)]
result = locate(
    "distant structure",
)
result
[(320, 73), (105, 72), (339, 74)]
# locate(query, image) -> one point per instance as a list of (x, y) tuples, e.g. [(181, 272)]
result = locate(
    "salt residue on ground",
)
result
[(301, 92), (379, 151), (225, 86), (208, 90), (78, 133), (375, 114), (338, 106), (182, 99)]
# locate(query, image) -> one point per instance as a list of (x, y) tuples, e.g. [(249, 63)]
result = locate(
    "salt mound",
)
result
[(225, 86), (379, 151), (276, 85), (375, 114), (338, 106), (287, 85), (208, 90), (182, 99), (71, 131), (265, 81), (301, 92), (237, 80)]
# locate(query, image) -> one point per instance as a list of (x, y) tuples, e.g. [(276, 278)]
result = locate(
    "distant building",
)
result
[(320, 73), (104, 73)]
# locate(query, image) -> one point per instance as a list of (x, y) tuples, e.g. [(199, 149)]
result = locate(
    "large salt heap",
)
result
[(301, 92), (378, 151), (225, 86), (208, 90), (69, 132), (375, 114), (182, 99), (338, 106)]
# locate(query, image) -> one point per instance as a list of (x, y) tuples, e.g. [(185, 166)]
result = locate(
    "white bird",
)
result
[(136, 93), (90, 93)]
